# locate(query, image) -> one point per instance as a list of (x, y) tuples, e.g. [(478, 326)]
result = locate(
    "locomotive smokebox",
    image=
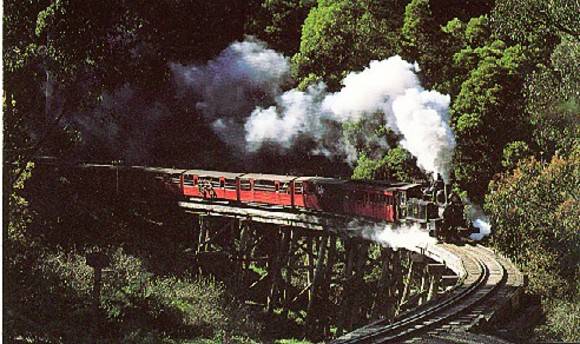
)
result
[(439, 192), (446, 192)]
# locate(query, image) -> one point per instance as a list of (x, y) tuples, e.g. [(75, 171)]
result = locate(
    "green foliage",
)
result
[(194, 307), (415, 35), (510, 72), (62, 56), (396, 165), (432, 33), (279, 23), (460, 39), (514, 152), (366, 168), (552, 100), (340, 36), (562, 321), (486, 114), (535, 214), (291, 341), (258, 270), (136, 306), (536, 21), (370, 138)]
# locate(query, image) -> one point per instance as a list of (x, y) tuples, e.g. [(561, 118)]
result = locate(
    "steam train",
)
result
[(429, 206)]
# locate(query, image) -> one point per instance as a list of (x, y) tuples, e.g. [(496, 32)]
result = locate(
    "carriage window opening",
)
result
[(188, 180), (215, 182), (175, 179), (245, 185), (230, 184), (222, 183), (403, 198), (265, 185), (298, 188)]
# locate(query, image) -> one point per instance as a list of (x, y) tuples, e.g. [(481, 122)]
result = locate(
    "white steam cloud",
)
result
[(389, 87), (240, 93), (475, 214), (484, 228), (422, 118), (297, 108), (229, 87), (395, 237)]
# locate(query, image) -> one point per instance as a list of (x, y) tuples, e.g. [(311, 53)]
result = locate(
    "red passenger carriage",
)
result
[(391, 202), (374, 200)]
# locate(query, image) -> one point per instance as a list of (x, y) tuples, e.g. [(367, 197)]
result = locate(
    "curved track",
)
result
[(488, 285), (474, 297)]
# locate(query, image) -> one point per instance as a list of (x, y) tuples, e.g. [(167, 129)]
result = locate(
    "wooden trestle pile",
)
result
[(328, 279)]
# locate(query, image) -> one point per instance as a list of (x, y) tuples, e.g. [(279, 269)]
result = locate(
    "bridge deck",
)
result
[(488, 286)]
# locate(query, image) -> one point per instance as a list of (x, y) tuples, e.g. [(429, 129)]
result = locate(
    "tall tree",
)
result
[(341, 36), (553, 101), (535, 215), (279, 23), (486, 115), (425, 40), (537, 22)]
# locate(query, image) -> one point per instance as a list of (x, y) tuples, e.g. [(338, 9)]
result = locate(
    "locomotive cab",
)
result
[(425, 213), (416, 208)]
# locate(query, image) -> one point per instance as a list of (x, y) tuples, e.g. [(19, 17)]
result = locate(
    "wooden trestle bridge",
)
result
[(462, 287), (435, 291)]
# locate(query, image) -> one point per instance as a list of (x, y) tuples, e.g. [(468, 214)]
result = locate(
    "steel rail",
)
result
[(483, 277)]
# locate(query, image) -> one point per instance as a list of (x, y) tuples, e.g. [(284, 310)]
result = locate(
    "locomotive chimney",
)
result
[(441, 183)]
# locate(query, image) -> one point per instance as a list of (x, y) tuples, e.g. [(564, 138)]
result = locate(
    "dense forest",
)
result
[(179, 83)]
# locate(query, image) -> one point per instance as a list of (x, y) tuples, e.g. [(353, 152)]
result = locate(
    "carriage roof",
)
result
[(213, 174), (268, 177)]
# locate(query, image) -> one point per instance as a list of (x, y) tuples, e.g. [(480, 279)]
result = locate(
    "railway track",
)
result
[(475, 298), (488, 285)]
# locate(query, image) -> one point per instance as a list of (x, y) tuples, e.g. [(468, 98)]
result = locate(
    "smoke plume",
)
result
[(240, 93), (226, 89), (123, 125), (296, 107), (395, 237), (423, 120), (475, 214)]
